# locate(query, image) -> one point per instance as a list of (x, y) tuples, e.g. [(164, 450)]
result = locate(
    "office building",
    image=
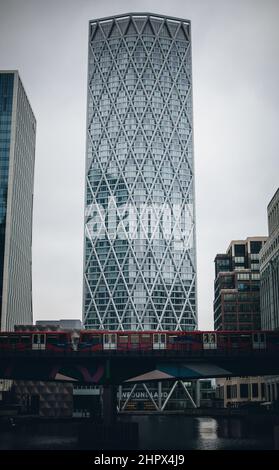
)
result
[(236, 308), (237, 286), (269, 265), (140, 252), (17, 156)]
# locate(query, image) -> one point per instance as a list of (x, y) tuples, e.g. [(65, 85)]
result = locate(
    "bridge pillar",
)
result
[(160, 396), (109, 403), (198, 393)]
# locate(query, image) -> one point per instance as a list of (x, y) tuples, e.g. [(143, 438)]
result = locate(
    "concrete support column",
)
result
[(198, 394), (238, 396), (274, 391), (160, 395), (269, 392), (119, 397), (109, 403)]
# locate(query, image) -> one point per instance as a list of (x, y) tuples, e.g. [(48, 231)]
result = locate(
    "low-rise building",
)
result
[(51, 399), (236, 391)]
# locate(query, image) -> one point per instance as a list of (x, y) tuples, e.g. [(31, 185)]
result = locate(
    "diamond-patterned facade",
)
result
[(140, 162)]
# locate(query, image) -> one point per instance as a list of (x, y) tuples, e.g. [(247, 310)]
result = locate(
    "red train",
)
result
[(96, 340)]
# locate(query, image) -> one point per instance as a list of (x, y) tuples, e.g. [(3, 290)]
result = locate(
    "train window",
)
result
[(89, 338), (123, 339), (234, 341), (39, 341), (25, 339), (109, 341), (259, 341), (223, 338), (159, 341), (182, 339), (52, 339), (145, 338), (209, 341), (96, 339), (42, 339), (14, 339), (62, 339), (172, 339), (209, 338), (134, 339), (113, 338), (4, 339)]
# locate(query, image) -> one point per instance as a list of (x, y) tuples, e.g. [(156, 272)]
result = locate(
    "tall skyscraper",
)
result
[(17, 155), (140, 255), (237, 286)]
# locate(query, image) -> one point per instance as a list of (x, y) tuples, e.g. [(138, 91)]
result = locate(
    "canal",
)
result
[(155, 432)]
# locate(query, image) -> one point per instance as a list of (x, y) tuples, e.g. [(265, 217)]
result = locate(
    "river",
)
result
[(155, 432)]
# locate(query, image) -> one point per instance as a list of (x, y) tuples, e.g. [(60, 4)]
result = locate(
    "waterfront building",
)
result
[(140, 252), (235, 391), (17, 156), (269, 267), (49, 399), (237, 308), (237, 286)]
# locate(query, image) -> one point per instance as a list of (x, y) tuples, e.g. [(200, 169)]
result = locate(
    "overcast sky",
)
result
[(235, 46)]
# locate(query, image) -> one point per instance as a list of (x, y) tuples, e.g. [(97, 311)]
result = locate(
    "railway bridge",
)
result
[(113, 367)]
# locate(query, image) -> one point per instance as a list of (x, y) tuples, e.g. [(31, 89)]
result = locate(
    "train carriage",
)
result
[(36, 341), (15, 342), (86, 341)]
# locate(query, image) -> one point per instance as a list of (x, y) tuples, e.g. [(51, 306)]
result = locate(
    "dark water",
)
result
[(185, 433), (155, 432)]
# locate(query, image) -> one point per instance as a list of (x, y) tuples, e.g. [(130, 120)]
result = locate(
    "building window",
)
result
[(255, 390), (244, 391)]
